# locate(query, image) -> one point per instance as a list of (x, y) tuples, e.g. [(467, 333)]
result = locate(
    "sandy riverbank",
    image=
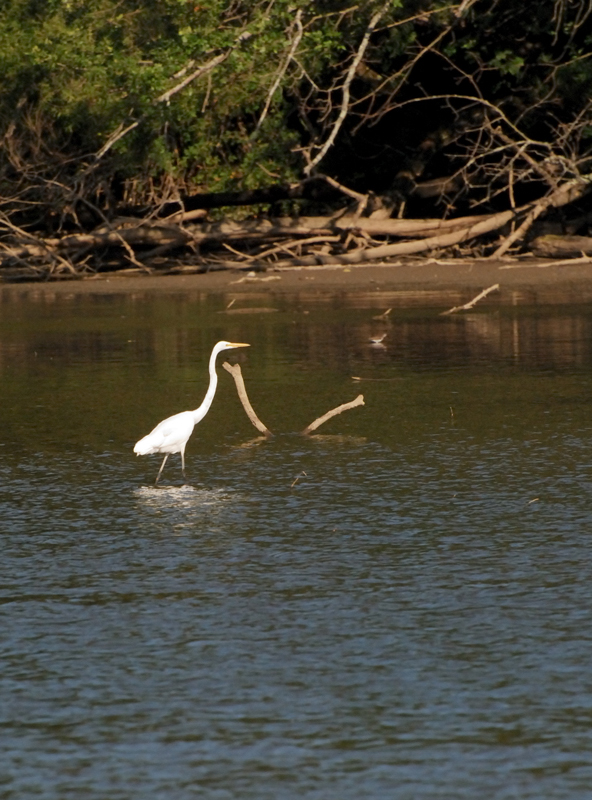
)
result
[(410, 282)]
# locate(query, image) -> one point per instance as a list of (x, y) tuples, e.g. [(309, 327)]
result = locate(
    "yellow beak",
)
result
[(238, 344)]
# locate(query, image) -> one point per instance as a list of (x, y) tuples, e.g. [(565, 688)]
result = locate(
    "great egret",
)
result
[(171, 435)]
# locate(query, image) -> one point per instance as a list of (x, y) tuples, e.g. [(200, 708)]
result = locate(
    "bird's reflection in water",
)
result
[(186, 496)]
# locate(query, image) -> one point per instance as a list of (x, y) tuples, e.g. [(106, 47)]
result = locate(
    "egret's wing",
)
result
[(169, 436)]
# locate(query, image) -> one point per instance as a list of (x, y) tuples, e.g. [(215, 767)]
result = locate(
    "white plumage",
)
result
[(171, 435)]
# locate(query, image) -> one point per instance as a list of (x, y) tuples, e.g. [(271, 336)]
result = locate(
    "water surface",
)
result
[(397, 607)]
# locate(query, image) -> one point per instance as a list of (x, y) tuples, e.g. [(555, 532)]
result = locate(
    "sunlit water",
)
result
[(398, 607)]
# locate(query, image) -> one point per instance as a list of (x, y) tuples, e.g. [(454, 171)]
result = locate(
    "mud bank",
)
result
[(427, 282)]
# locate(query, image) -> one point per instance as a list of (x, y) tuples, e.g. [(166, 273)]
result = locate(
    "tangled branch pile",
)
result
[(232, 133)]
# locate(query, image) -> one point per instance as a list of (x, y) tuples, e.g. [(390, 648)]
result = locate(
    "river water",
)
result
[(399, 607)]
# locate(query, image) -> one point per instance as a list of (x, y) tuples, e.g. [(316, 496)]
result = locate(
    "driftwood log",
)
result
[(562, 246), (309, 231), (348, 236)]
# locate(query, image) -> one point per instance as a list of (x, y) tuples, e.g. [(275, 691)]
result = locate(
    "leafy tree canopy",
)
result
[(494, 93)]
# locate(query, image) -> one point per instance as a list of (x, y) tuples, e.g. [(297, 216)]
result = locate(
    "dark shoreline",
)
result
[(413, 282)]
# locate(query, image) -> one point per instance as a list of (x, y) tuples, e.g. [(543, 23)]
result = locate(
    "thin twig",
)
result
[(296, 479)]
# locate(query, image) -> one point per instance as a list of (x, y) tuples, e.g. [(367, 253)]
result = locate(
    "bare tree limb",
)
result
[(359, 401), (236, 373), (282, 70), (567, 193), (344, 110)]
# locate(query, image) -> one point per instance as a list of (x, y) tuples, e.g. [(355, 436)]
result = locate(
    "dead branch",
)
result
[(282, 70), (236, 373), (566, 193), (472, 302), (406, 248), (345, 89), (359, 401), (361, 199)]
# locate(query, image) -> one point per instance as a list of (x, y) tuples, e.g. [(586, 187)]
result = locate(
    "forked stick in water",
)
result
[(236, 373)]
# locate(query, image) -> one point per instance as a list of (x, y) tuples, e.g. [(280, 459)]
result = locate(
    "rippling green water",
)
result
[(410, 618)]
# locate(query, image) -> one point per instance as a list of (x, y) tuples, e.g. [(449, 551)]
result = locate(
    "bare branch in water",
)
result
[(472, 302), (236, 373), (359, 401)]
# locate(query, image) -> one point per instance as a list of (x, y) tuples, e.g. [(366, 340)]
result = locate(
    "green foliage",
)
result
[(75, 72)]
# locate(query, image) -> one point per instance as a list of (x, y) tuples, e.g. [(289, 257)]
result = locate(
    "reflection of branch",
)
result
[(236, 373), (472, 302), (346, 88), (359, 401)]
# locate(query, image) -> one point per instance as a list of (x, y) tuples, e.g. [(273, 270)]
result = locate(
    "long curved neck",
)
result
[(200, 412)]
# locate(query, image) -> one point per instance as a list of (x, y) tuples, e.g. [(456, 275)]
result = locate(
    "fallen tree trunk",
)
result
[(283, 242), (318, 226), (562, 246), (316, 230), (315, 188), (405, 248), (143, 234)]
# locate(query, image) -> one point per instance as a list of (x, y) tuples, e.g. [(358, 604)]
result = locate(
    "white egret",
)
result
[(171, 435)]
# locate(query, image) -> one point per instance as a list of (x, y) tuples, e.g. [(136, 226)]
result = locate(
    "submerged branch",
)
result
[(236, 373), (359, 401)]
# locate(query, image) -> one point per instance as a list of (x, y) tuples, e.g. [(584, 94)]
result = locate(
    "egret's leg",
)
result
[(183, 463), (161, 468)]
